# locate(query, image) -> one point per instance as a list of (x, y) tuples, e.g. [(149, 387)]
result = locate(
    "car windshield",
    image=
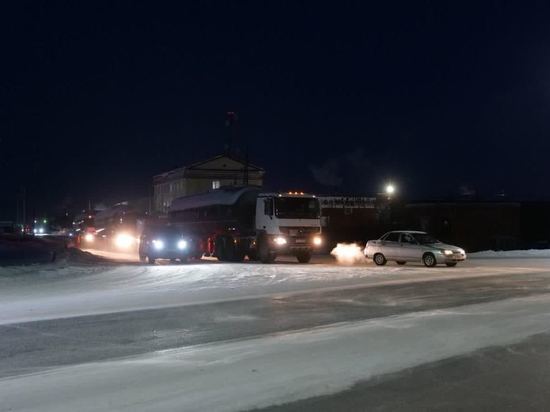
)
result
[(425, 239), (297, 208)]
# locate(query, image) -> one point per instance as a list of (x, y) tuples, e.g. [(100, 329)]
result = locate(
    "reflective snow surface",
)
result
[(79, 336)]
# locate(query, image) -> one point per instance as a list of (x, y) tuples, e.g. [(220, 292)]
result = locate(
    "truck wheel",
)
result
[(379, 259), (429, 260), (219, 248), (252, 255), (303, 257), (265, 255), (151, 260)]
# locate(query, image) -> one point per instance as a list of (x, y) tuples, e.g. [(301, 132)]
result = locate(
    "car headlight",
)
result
[(88, 237), (447, 252), (158, 244), (123, 240), (279, 241), (317, 240), (182, 244)]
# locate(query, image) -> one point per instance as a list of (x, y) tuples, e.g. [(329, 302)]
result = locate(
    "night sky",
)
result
[(334, 97)]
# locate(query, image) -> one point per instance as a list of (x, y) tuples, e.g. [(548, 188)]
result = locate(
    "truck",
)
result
[(233, 222)]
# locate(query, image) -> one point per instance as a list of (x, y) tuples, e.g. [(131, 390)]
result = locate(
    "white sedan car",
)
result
[(412, 246)]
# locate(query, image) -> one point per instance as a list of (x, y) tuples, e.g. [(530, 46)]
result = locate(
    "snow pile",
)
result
[(259, 372), (503, 254), (348, 254)]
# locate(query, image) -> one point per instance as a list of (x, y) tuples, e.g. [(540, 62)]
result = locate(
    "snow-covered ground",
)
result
[(65, 289), (239, 375), (509, 254), (263, 370)]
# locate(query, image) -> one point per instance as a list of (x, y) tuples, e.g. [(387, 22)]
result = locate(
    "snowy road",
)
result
[(209, 336)]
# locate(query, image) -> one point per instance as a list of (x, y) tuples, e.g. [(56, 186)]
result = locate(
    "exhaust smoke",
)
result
[(348, 254)]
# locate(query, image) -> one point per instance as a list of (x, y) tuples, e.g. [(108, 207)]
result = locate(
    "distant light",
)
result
[(41, 230), (88, 237), (182, 244), (390, 189), (45, 221)]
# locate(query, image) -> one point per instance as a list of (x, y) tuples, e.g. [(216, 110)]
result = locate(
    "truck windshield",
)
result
[(297, 208)]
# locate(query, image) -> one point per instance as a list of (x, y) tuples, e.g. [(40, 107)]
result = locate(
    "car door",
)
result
[(390, 246), (410, 250)]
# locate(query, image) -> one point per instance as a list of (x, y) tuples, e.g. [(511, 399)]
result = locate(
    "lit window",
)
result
[(215, 184)]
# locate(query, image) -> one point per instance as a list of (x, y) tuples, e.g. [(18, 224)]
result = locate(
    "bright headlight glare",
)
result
[(317, 240), (279, 240), (447, 252), (88, 237), (123, 240), (158, 244), (182, 244)]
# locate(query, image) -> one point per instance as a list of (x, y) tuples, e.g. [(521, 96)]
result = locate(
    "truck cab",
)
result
[(287, 223)]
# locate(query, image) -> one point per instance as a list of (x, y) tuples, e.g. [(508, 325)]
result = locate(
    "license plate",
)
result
[(300, 241)]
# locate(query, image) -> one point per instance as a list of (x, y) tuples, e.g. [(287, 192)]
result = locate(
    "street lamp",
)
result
[(390, 189)]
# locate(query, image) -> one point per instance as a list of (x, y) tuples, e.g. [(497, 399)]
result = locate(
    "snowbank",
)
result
[(506, 254), (239, 375)]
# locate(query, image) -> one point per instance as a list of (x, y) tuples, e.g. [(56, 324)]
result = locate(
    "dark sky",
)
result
[(332, 96)]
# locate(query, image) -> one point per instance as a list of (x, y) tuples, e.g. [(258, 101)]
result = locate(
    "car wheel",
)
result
[(451, 264), (151, 260), (400, 262), (429, 260), (379, 259)]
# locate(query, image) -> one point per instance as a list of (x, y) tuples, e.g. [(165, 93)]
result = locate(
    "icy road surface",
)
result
[(209, 336)]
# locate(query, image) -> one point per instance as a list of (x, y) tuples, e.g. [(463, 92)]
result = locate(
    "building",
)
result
[(351, 218), (199, 177)]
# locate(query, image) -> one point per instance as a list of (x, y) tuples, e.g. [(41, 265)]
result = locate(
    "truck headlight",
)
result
[(182, 244), (447, 252), (317, 240), (279, 241), (158, 244)]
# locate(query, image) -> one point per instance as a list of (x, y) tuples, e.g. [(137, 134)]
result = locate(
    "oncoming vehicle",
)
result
[(412, 246), (164, 243)]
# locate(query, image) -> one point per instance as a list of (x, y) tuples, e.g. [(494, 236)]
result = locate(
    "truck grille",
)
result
[(298, 231)]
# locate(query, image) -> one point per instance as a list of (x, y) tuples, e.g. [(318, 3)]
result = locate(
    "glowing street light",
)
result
[(390, 189)]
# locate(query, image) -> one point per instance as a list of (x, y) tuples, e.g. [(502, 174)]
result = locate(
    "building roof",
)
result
[(181, 171), (228, 156)]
